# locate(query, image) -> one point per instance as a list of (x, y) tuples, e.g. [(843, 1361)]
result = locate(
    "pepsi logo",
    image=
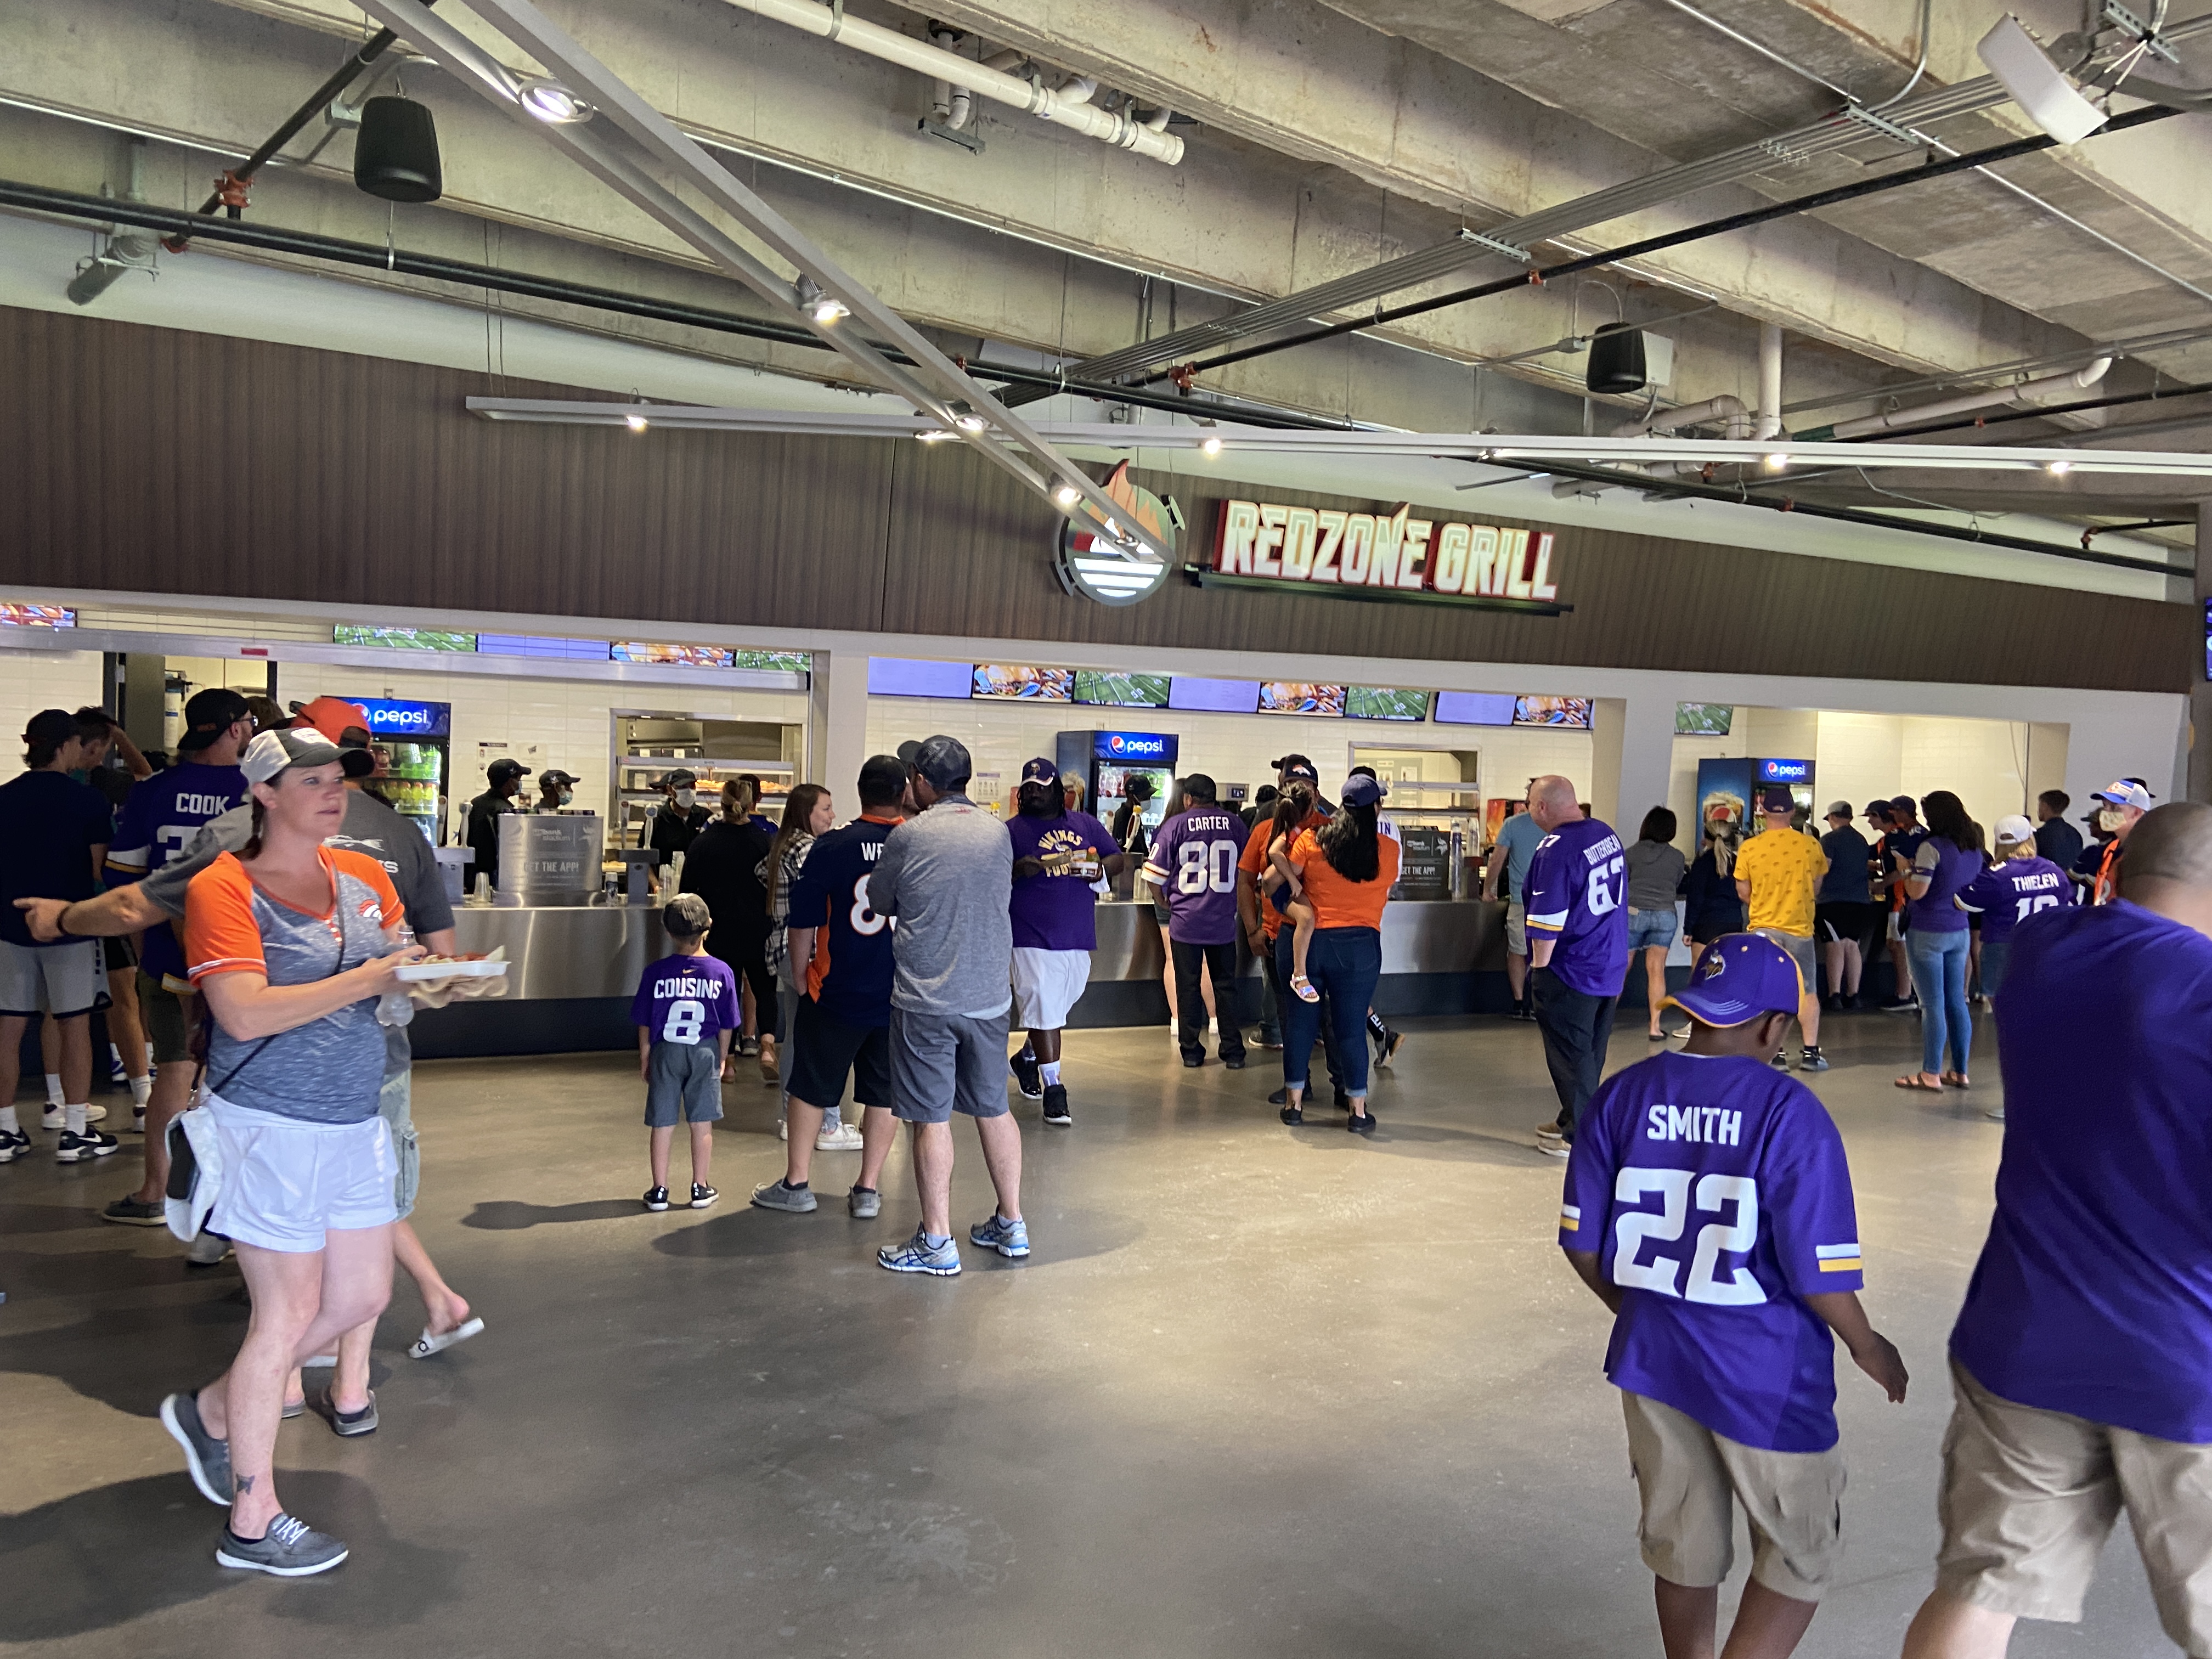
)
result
[(1115, 743)]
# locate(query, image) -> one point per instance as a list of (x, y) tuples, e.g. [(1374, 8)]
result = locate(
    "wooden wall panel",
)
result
[(143, 458)]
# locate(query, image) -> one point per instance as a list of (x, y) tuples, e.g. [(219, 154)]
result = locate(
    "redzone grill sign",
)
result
[(1322, 548)]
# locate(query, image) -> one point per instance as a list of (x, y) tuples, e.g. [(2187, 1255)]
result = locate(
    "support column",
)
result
[(2196, 738), (1632, 758), (837, 727)]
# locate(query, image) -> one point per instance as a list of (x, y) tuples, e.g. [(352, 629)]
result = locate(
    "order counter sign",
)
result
[(1392, 557), (1097, 568)]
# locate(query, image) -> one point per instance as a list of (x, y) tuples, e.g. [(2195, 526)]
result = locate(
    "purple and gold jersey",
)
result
[(1194, 861), (2007, 896), (1576, 896), (686, 999)]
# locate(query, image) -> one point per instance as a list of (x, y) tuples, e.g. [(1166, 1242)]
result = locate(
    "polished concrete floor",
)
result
[(1259, 1392)]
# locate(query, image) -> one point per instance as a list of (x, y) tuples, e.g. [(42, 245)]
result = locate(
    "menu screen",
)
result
[(1300, 697)]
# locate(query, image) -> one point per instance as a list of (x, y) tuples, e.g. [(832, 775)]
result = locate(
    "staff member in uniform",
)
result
[(505, 778), (292, 943), (2081, 1362), (679, 819), (555, 789)]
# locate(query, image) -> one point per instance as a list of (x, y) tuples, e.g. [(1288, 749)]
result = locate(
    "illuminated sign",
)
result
[(1785, 771), (37, 616), (1373, 555), (1099, 567), (389, 717), (1134, 748)]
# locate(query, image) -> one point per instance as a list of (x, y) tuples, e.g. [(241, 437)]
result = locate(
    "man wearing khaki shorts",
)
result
[(2081, 1362)]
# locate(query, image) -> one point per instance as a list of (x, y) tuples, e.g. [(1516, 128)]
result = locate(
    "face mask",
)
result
[(2111, 818), (568, 795), (685, 797)]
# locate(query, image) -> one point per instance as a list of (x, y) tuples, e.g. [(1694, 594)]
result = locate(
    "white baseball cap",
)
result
[(2015, 829), (2126, 792)]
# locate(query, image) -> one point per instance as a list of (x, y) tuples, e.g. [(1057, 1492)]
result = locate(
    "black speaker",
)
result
[(1616, 359), (395, 154)]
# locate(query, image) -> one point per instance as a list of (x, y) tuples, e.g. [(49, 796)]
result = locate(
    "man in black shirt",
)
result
[(485, 811), (680, 819), (2055, 839)]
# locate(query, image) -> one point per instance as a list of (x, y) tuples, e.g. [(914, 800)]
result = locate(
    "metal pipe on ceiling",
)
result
[(1068, 107), (2079, 405), (1892, 420)]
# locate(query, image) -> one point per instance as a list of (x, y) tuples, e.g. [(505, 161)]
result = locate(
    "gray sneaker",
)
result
[(346, 1424), (207, 1457), (207, 1248), (775, 1195), (917, 1256), (864, 1203), (290, 1549)]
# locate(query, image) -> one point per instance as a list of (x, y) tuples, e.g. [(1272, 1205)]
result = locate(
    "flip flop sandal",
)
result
[(1914, 1083), (427, 1344), (1303, 986), (1957, 1081)]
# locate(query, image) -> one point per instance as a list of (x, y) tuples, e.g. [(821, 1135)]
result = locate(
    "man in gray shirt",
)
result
[(942, 881)]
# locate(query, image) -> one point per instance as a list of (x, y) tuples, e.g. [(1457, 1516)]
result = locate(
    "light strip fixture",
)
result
[(609, 129)]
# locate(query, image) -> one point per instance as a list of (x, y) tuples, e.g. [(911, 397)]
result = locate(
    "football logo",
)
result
[(1713, 966)]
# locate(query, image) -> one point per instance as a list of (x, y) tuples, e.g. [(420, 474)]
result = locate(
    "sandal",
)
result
[(429, 1342), (1304, 988), (1914, 1082), (1957, 1081)]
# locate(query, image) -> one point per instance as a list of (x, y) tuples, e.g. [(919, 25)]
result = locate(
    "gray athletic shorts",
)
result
[(946, 1063), (168, 1021), (395, 1105), (1800, 946), (63, 979), (683, 1084)]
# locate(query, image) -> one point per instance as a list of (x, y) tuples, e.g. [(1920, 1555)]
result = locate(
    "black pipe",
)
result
[(1741, 496), (306, 244), (1676, 239)]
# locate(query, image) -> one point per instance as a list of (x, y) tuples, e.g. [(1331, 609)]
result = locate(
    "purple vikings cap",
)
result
[(1040, 771), (1737, 978)]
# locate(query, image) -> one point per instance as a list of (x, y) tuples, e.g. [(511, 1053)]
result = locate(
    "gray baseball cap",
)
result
[(944, 761)]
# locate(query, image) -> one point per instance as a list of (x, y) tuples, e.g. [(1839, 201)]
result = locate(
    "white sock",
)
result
[(53, 1088), (141, 1089), (114, 1054), (1049, 1071), (73, 1119), (150, 1053), (8, 1121)]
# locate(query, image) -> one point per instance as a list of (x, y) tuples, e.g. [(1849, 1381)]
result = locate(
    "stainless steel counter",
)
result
[(1450, 937), (564, 951)]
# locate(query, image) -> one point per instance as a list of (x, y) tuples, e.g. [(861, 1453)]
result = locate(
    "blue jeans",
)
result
[(1343, 964), (1996, 959), (1939, 974)]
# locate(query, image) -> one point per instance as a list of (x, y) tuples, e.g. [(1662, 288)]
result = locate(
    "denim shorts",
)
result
[(1648, 929)]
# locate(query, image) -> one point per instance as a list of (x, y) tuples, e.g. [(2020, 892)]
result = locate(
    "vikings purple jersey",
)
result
[(1578, 881), (2007, 896), (1193, 860), (687, 1000), (1058, 910), (1715, 1192)]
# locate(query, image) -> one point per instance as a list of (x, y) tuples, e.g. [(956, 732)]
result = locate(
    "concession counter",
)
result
[(576, 966)]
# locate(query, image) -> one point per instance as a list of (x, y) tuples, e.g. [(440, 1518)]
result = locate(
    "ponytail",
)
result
[(1352, 843), (252, 850)]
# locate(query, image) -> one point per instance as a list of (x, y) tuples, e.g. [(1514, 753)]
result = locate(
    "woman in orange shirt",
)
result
[(1345, 870)]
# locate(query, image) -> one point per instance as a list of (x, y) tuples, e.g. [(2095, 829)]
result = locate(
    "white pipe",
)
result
[(2088, 375), (1727, 408), (1155, 120), (1077, 88), (1769, 381), (1029, 97), (940, 90)]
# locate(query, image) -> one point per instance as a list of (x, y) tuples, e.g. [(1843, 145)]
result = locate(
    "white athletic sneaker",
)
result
[(842, 1138)]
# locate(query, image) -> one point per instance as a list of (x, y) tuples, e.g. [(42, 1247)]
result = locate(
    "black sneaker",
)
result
[(135, 1212), (1812, 1059), (656, 1198), (1235, 1063), (1363, 1124), (747, 1045), (290, 1549), (1781, 1060), (1023, 1064), (1279, 1097), (207, 1457), (1056, 1104), (1293, 1115), (13, 1144), (1901, 1005), (82, 1148), (1390, 1045), (1194, 1061), (702, 1197)]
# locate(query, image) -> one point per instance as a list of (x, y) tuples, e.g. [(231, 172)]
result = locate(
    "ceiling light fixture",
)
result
[(1067, 495), (636, 422), (1211, 446), (2059, 469), (936, 435), (823, 309), (1775, 463), (2037, 85), (965, 417), (553, 103)]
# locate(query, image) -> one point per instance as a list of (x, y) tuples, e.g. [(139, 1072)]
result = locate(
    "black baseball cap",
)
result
[(944, 761), (501, 770), (555, 775), (681, 778), (209, 714), (1296, 766), (50, 726), (355, 758)]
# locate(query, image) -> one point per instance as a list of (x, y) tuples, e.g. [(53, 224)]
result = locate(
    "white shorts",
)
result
[(286, 1183), (63, 979), (1046, 986)]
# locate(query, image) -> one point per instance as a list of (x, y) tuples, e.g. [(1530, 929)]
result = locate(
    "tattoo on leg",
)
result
[(244, 1482)]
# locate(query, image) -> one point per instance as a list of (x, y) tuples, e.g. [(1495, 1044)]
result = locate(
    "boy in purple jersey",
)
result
[(841, 955), (1194, 861), (1709, 1206), (1059, 856), (1577, 925), (685, 1012), (2081, 1362)]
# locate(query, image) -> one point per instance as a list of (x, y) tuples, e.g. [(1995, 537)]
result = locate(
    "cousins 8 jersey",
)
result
[(1716, 1195), (850, 977)]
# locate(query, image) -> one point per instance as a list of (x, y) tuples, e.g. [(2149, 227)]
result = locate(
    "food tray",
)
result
[(424, 971)]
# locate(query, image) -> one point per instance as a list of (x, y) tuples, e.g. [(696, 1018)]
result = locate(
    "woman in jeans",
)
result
[(1937, 939), (1345, 870), (808, 812), (291, 943), (723, 867), (1655, 872)]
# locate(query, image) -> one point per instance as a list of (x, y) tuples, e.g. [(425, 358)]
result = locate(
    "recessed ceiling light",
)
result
[(553, 103), (1211, 446), (1776, 463), (2059, 469), (637, 423)]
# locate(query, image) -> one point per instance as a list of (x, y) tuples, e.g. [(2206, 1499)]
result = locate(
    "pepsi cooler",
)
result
[(1106, 760)]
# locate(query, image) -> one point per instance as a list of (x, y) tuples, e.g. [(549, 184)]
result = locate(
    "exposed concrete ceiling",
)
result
[(1321, 139)]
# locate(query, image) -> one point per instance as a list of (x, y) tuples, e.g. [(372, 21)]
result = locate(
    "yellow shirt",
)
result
[(1784, 868)]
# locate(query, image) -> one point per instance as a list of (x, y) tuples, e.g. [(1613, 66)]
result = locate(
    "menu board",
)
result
[(1018, 683), (1300, 697), (1572, 712)]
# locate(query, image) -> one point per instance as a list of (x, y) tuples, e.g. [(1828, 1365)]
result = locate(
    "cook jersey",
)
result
[(1577, 882), (850, 977), (1715, 1192), (2007, 896), (687, 1000), (1058, 910), (1194, 861), (159, 816)]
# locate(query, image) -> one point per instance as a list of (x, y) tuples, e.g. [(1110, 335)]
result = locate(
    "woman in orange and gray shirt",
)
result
[(1345, 868)]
